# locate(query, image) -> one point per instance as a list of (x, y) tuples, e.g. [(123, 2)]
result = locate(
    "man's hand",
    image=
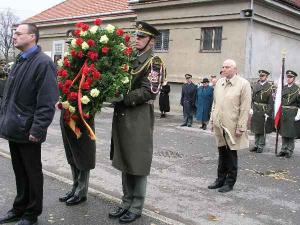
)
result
[(238, 133), (33, 139)]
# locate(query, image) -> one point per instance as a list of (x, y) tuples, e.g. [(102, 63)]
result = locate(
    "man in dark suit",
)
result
[(188, 99), (27, 109), (133, 123)]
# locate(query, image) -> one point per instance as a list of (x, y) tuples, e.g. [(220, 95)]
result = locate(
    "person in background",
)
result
[(187, 101), (213, 80), (232, 103), (204, 99), (27, 109), (164, 101)]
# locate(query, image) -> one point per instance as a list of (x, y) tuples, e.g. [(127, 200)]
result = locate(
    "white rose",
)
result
[(60, 63), (104, 39), (65, 104), (110, 28), (84, 46), (85, 100), (122, 46), (125, 80), (66, 54), (72, 109), (94, 92), (83, 33), (94, 29), (73, 43)]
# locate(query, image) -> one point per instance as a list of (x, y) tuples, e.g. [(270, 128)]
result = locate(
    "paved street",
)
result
[(184, 163)]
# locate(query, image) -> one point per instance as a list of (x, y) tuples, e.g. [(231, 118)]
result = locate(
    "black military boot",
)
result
[(254, 149)]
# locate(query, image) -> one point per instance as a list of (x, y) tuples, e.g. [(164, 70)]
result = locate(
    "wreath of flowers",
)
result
[(94, 70)]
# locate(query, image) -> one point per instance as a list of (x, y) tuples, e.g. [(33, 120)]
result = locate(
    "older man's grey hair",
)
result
[(231, 62)]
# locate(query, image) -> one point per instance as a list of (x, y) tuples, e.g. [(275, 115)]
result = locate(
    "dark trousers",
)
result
[(80, 182), (27, 166), (227, 166)]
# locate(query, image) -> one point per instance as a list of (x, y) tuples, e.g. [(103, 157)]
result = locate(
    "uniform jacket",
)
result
[(29, 98), (188, 98), (232, 102), (133, 121), (290, 105), (262, 103), (204, 101)]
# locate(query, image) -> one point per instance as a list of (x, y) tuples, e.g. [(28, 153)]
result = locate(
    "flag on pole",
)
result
[(277, 105)]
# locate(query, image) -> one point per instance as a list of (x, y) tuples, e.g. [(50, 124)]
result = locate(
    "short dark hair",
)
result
[(33, 29), (70, 32)]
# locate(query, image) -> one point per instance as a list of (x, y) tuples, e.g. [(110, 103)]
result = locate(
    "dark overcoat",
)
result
[(133, 121), (164, 101), (80, 152), (29, 98), (188, 98), (262, 103), (204, 100), (290, 104)]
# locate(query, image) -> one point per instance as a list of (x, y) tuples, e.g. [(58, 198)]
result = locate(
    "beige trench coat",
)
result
[(232, 103)]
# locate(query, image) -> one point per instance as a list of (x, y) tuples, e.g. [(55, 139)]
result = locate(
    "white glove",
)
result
[(266, 116), (297, 117), (251, 112)]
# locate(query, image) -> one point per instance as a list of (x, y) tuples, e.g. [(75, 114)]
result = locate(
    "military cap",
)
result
[(188, 76), (145, 29), (205, 80), (291, 73), (264, 71)]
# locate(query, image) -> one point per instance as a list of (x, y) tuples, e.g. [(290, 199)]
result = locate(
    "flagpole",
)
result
[(282, 83)]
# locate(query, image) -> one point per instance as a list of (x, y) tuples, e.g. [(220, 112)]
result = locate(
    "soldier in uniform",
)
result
[(262, 106), (133, 123), (290, 105), (188, 100)]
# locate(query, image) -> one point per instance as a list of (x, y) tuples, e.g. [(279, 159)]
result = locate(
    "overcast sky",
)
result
[(27, 8)]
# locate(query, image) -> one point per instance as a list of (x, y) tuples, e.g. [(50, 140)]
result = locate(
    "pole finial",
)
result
[(283, 53)]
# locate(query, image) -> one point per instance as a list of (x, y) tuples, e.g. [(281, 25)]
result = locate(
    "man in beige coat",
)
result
[(232, 103)]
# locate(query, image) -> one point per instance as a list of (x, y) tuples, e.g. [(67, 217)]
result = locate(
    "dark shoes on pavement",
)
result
[(75, 200), (204, 126), (285, 154), (254, 149), (183, 125), (66, 197), (128, 217), (215, 185), (225, 188), (117, 212), (27, 222), (10, 217)]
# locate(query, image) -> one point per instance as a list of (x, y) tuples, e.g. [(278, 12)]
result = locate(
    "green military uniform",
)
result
[(262, 118), (290, 106), (132, 130)]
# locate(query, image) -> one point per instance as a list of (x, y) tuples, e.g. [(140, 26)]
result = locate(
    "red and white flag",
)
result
[(277, 105)]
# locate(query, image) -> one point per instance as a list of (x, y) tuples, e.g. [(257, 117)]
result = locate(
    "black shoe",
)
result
[(189, 125), (204, 127), (225, 188), (117, 212), (27, 222), (281, 154), (215, 185), (254, 149), (128, 217), (288, 155), (10, 217), (183, 125), (75, 200), (66, 197), (259, 150)]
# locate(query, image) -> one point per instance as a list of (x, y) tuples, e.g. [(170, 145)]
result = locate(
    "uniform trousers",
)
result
[(260, 140), (288, 145), (134, 192), (27, 166), (80, 182), (227, 166)]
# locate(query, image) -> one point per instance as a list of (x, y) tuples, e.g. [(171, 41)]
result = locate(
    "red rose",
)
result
[(66, 62), (86, 86), (73, 96), (59, 105), (65, 90), (127, 38), (89, 81), (85, 70), (98, 22), (79, 24), (105, 50), (92, 67), (73, 53), (120, 32), (85, 27), (92, 55), (68, 83), (96, 75), (77, 33), (63, 73), (79, 41), (128, 51), (80, 54), (91, 42), (60, 85)]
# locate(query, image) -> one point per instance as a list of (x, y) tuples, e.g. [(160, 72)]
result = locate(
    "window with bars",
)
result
[(58, 50), (162, 41), (211, 39)]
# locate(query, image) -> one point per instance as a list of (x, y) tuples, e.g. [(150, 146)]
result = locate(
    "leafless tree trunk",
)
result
[(7, 20)]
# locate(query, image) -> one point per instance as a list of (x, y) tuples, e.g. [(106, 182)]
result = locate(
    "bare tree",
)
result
[(7, 20)]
